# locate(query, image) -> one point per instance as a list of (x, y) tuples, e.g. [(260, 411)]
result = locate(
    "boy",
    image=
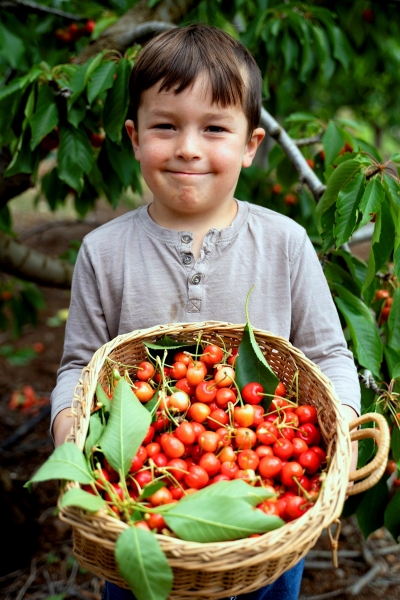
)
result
[(195, 251)]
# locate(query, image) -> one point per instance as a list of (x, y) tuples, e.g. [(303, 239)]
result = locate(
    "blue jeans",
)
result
[(287, 587)]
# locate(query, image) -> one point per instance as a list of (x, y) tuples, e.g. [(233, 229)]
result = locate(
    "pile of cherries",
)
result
[(207, 430)]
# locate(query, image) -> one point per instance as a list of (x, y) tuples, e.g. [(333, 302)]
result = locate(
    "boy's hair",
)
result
[(178, 56)]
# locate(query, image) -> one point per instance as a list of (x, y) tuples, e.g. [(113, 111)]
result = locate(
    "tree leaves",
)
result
[(371, 201), (66, 462), (338, 180), (391, 519), (332, 141), (116, 105), (101, 80), (394, 322), (127, 426), (371, 509), (43, 122), (347, 209), (364, 334), (75, 157), (143, 564)]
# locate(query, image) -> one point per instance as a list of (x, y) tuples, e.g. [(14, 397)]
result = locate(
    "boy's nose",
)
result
[(188, 146)]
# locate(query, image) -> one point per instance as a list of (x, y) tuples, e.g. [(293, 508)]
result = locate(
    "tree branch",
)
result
[(120, 35), (31, 7), (26, 263), (314, 139), (289, 146), (14, 185)]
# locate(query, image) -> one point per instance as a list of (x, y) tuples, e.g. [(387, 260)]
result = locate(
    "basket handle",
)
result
[(373, 471)]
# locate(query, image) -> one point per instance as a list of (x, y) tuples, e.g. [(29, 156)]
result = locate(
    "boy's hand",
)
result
[(62, 426), (350, 414)]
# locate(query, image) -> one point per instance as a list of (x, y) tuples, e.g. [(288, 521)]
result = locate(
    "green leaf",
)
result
[(395, 443), (341, 47), (356, 267), (347, 209), (143, 564), (127, 426), (96, 428), (165, 343), (332, 141), (66, 462), (371, 201), (43, 122), (251, 366), (101, 80), (82, 499), (103, 398), (323, 51), (392, 516), (370, 511), (116, 105), (290, 50), (121, 159), (216, 513), (338, 180), (382, 243), (151, 489), (392, 358), (396, 371), (12, 48), (394, 321), (77, 112), (75, 157), (308, 57), (300, 117), (364, 334)]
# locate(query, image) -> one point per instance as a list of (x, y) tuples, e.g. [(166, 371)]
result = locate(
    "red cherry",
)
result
[(251, 393), (212, 355), (197, 477)]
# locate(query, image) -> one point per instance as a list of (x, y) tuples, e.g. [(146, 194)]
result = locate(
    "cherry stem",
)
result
[(306, 494)]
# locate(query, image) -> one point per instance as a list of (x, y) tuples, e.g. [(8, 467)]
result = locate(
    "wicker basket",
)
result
[(217, 570)]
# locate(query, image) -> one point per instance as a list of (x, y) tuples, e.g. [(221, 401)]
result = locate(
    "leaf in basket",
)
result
[(82, 499), (214, 514), (151, 489), (143, 564), (66, 462), (165, 343), (151, 404), (103, 398), (96, 428), (126, 428), (251, 365)]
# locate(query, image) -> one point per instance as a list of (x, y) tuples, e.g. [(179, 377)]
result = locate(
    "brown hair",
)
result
[(178, 56)]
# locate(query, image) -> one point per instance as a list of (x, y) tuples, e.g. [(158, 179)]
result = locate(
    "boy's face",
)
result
[(191, 150)]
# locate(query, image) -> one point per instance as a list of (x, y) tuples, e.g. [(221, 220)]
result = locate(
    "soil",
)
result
[(38, 562)]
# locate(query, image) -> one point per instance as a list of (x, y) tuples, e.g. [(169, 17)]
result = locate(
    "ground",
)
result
[(38, 561)]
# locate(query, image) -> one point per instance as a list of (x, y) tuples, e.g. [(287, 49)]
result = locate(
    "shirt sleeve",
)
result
[(86, 331), (316, 327)]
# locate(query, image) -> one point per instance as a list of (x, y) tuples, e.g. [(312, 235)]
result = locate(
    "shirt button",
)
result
[(186, 239), (196, 279), (186, 259)]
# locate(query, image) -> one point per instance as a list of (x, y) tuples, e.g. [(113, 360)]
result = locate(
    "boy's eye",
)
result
[(163, 126), (215, 129)]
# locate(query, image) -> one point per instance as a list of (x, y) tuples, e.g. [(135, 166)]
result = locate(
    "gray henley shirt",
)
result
[(133, 274)]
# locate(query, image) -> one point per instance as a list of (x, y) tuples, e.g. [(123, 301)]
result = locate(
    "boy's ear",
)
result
[(252, 145), (134, 137)]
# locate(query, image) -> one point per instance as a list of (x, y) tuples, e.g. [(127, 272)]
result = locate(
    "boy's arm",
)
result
[(62, 426), (316, 327), (86, 331)]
